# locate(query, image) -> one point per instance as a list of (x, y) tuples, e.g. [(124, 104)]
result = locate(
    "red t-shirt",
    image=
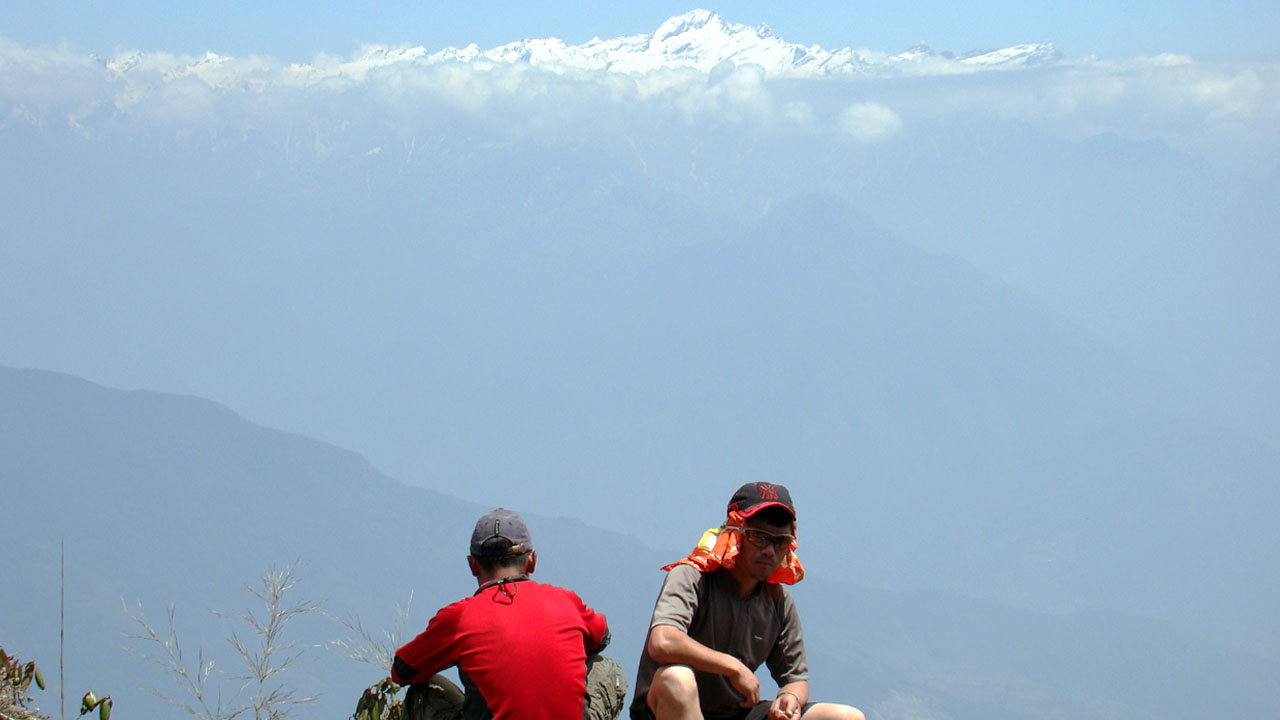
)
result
[(523, 644)]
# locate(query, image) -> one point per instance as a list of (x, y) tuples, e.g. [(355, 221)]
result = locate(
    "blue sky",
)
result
[(295, 30)]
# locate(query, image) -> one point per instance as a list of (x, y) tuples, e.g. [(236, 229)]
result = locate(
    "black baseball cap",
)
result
[(756, 496), (505, 524)]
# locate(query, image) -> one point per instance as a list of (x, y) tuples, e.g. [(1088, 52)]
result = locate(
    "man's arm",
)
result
[(597, 636), (602, 644), (669, 645), (429, 653)]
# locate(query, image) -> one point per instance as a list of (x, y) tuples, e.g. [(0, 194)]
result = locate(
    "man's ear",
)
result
[(475, 566), (531, 562)]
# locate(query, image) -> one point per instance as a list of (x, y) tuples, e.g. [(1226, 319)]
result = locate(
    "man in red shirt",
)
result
[(524, 650)]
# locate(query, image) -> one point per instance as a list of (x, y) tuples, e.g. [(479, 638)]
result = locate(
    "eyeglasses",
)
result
[(763, 539)]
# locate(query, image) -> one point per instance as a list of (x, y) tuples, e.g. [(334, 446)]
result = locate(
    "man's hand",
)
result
[(746, 683), (786, 707)]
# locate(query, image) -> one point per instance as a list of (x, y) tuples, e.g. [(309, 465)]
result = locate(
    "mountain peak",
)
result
[(692, 20), (1026, 55)]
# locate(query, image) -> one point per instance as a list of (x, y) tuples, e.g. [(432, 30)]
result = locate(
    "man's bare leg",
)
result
[(673, 695)]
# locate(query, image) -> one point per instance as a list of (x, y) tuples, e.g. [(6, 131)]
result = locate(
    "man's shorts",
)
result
[(759, 711), (606, 689), (440, 699)]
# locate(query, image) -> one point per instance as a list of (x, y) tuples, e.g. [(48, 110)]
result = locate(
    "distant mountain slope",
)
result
[(928, 655), (966, 435), (520, 318), (175, 499)]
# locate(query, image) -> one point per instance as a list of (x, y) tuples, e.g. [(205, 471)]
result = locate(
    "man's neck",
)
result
[(745, 582), (499, 574)]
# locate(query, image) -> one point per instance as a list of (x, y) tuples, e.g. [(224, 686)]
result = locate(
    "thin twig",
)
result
[(62, 632), (361, 646), (171, 660), (264, 656)]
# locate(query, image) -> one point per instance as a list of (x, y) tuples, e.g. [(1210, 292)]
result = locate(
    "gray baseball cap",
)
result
[(505, 524)]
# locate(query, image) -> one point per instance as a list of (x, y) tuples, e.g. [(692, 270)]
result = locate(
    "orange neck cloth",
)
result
[(720, 546)]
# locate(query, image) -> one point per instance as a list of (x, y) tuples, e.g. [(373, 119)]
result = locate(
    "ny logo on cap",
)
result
[(767, 491)]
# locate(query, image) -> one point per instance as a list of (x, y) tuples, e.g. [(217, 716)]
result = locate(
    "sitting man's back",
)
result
[(522, 648)]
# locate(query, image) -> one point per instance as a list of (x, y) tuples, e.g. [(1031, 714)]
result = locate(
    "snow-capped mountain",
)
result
[(698, 40), (701, 39)]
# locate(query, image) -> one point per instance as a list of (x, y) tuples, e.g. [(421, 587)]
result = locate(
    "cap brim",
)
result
[(764, 505)]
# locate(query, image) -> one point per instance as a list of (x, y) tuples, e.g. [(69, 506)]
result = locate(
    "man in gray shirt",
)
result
[(721, 613)]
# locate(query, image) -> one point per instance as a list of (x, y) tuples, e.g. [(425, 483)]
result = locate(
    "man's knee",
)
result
[(436, 699), (831, 711), (673, 685)]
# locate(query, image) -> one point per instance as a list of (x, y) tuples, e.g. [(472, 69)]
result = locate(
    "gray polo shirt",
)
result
[(760, 628)]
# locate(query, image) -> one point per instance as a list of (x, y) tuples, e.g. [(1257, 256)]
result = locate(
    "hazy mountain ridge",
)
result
[(555, 304), (77, 456), (162, 499)]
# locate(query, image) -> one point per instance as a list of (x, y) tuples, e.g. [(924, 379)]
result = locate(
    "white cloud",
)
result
[(799, 112), (1165, 60), (736, 94), (869, 122), (1201, 107), (42, 78)]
